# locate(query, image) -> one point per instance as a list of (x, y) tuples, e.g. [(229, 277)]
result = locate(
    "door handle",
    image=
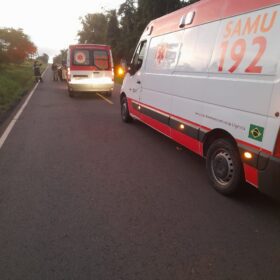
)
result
[(138, 82)]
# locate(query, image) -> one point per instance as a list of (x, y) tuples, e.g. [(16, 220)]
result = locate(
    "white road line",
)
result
[(8, 130), (107, 100)]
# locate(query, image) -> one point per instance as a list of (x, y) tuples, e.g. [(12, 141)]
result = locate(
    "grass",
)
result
[(15, 81)]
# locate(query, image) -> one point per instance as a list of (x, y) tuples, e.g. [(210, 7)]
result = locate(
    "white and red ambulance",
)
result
[(208, 77), (90, 69)]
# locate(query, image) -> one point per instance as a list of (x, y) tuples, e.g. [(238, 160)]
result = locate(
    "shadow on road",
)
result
[(248, 197)]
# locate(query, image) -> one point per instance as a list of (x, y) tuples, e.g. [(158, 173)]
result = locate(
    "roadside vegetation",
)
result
[(15, 81), (17, 55)]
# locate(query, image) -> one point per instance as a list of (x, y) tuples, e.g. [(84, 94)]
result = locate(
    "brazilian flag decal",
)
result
[(256, 132)]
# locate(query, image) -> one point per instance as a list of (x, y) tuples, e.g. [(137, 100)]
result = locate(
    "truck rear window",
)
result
[(97, 58)]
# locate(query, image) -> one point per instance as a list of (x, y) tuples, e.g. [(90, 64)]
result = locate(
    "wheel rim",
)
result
[(222, 167)]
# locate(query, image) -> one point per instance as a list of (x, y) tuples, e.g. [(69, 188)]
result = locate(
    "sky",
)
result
[(52, 25)]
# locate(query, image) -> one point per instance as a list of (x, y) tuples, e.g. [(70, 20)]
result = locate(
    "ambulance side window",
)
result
[(139, 56)]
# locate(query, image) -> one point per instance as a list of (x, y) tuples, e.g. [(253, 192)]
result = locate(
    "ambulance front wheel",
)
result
[(224, 167), (125, 111)]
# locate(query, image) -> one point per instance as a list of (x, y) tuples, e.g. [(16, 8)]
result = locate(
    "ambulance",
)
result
[(90, 68), (208, 77)]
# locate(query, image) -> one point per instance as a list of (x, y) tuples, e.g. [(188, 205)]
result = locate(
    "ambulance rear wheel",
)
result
[(224, 167), (125, 111)]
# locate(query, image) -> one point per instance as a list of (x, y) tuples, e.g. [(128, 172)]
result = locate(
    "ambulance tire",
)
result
[(125, 111), (224, 167)]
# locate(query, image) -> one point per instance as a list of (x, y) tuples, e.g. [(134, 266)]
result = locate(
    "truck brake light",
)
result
[(277, 146)]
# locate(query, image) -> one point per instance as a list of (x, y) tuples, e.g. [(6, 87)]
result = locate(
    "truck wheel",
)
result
[(224, 167), (124, 111)]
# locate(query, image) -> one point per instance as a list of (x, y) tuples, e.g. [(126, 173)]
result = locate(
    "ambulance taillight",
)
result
[(113, 74), (277, 146), (68, 74)]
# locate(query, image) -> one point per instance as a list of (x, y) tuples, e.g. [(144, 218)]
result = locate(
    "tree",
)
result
[(17, 46), (44, 58), (94, 29), (113, 32), (149, 10), (129, 28), (156, 8), (61, 58)]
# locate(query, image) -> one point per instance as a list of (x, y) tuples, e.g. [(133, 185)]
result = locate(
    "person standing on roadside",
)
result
[(60, 72), (55, 71), (37, 71), (64, 73)]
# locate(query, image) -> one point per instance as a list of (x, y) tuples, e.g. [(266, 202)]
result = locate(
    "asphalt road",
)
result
[(85, 196)]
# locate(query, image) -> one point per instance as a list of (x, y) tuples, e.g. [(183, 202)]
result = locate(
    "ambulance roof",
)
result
[(84, 46), (205, 11)]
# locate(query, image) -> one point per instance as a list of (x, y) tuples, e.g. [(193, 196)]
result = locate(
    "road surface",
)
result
[(85, 196)]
